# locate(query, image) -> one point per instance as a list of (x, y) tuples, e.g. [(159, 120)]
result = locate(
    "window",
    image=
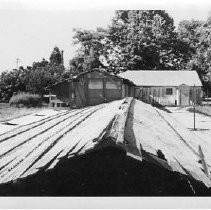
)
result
[(113, 84), (95, 84), (169, 91)]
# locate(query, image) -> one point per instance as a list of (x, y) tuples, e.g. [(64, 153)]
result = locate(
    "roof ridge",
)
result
[(162, 77)]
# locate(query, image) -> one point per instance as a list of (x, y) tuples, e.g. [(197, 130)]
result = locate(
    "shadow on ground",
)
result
[(198, 129), (162, 108), (104, 172)]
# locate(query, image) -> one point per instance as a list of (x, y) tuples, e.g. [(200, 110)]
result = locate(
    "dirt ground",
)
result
[(203, 122), (202, 125)]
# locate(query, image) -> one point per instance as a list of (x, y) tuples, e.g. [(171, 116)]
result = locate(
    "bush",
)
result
[(26, 99)]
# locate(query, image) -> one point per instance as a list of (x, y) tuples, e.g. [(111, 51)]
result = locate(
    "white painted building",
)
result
[(172, 88)]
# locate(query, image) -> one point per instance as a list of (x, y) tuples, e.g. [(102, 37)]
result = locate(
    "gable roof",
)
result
[(162, 77), (125, 80), (87, 72)]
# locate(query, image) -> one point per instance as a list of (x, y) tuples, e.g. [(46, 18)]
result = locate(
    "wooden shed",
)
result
[(171, 88), (90, 88)]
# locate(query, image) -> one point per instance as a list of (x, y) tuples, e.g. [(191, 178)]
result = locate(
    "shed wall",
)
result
[(103, 88), (162, 96), (157, 95), (91, 89)]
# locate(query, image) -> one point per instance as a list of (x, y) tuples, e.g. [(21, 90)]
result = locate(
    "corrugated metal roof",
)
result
[(162, 78)]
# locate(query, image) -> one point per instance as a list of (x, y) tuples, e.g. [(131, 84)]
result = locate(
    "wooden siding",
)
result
[(92, 88), (80, 93), (156, 95), (103, 90), (197, 97), (159, 95)]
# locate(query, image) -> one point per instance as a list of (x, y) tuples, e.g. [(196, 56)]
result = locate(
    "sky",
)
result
[(30, 29)]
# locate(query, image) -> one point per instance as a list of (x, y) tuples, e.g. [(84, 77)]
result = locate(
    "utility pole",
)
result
[(17, 63), (194, 108), (62, 56)]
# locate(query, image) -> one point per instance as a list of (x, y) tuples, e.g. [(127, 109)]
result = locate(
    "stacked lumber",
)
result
[(142, 131), (40, 144), (157, 132)]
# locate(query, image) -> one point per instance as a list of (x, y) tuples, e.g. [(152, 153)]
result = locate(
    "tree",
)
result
[(40, 78), (188, 31), (146, 39), (43, 74), (198, 35), (56, 66), (136, 39), (76, 64), (90, 48), (56, 57), (12, 82), (34, 78)]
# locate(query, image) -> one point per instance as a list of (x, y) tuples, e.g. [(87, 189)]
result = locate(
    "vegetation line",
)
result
[(205, 110)]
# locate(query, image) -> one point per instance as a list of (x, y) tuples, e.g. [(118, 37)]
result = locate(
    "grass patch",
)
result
[(206, 110), (8, 112), (26, 99)]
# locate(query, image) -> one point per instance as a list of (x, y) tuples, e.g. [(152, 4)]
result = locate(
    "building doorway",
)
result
[(184, 91)]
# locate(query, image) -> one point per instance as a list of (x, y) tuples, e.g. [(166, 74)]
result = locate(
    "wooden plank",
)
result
[(154, 133), (155, 160), (118, 131), (195, 173), (21, 138), (58, 143), (24, 128), (32, 150), (204, 164), (118, 128), (43, 148), (79, 136)]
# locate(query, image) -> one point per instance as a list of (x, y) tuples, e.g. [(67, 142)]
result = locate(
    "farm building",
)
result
[(90, 88), (172, 88)]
